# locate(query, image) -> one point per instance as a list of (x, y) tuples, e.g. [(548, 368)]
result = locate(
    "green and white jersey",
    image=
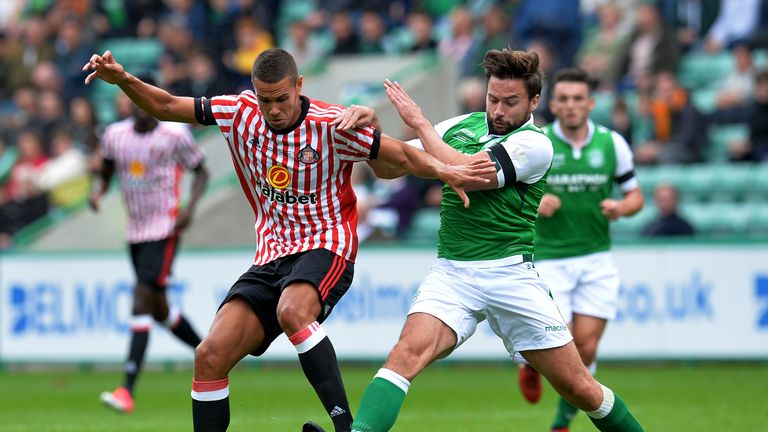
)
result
[(582, 178), (499, 223)]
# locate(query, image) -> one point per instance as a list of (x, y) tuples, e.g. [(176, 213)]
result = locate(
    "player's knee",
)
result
[(208, 361), (587, 352), (584, 393), (293, 317)]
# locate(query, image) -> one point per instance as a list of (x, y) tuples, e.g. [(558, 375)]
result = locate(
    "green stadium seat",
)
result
[(604, 100), (134, 54), (425, 226), (756, 189), (695, 182), (651, 176), (699, 70), (632, 226), (705, 99), (720, 138), (730, 181), (757, 218)]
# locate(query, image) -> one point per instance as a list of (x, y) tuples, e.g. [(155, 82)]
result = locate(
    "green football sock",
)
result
[(564, 415), (618, 419), (381, 404)]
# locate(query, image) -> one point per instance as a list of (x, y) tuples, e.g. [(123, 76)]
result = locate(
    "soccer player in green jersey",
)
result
[(484, 269), (572, 235)]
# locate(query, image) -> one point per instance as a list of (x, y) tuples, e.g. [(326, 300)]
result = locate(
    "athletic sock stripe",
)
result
[(174, 317), (335, 279), (331, 271), (606, 406), (210, 390), (141, 323), (170, 249), (205, 386), (307, 338), (394, 377)]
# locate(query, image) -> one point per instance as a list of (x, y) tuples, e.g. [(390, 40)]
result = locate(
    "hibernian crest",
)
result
[(596, 159), (308, 155)]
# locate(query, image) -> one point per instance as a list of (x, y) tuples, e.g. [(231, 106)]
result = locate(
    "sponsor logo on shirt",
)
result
[(279, 177), (275, 189), (464, 135), (136, 168)]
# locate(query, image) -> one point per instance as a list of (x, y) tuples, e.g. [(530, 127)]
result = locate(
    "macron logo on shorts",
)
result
[(555, 328)]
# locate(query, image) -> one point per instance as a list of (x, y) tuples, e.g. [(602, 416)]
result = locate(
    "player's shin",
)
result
[(318, 360), (140, 327), (381, 402), (565, 411), (210, 405), (613, 415)]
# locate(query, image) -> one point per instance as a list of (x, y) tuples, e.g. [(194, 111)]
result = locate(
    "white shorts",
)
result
[(586, 285), (513, 299)]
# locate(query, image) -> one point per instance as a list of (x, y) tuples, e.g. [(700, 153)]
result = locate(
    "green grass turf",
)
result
[(446, 397)]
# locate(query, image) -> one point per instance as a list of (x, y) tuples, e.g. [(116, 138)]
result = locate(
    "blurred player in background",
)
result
[(572, 231), (293, 156), (484, 268), (149, 156)]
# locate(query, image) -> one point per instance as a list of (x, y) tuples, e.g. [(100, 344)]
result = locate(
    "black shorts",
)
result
[(261, 286), (152, 261)]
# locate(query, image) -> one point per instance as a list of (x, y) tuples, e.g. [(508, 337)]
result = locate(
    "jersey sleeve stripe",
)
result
[(499, 154), (625, 177)]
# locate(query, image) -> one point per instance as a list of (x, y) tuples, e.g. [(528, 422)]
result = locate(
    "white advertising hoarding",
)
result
[(676, 302)]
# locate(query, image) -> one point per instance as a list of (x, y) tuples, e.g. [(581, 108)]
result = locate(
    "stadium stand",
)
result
[(721, 197)]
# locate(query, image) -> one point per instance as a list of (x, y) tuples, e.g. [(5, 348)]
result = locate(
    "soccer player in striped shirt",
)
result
[(148, 157), (294, 165), (484, 268)]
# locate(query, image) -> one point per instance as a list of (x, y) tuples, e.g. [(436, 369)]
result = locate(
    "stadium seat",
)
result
[(730, 181), (698, 69), (630, 227), (601, 114), (425, 226), (756, 188), (720, 138), (651, 176), (695, 182), (705, 99)]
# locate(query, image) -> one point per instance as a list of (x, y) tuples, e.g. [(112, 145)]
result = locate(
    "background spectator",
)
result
[(652, 48), (736, 22), (668, 222), (679, 131)]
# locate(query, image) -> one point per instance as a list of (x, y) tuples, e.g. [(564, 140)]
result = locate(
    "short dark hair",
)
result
[(513, 64), (571, 75), (274, 64)]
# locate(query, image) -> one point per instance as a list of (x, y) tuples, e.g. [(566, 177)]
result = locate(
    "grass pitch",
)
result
[(446, 397)]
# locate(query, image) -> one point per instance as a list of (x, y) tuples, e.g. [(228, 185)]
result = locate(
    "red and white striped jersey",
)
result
[(149, 167), (297, 180)]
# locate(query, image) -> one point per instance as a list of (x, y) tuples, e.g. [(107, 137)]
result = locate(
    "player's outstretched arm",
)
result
[(475, 174), (412, 116), (155, 101)]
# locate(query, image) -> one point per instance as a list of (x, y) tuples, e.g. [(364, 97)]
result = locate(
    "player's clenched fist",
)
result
[(104, 67), (549, 205)]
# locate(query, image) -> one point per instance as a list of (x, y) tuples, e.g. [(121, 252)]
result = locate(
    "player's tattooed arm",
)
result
[(155, 101)]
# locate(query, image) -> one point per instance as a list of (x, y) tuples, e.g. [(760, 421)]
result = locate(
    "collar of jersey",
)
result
[(559, 132), (302, 116)]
